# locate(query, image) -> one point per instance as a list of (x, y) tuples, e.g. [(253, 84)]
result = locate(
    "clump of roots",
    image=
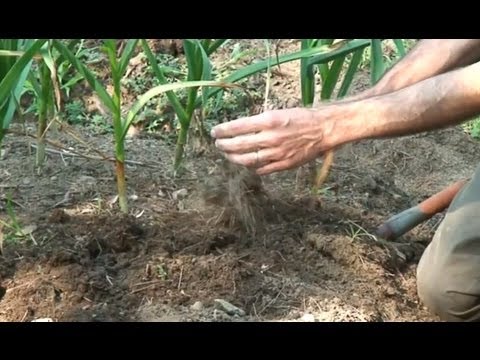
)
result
[(240, 196)]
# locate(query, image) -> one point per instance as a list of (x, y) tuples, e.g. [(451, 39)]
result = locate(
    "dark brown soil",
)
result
[(315, 257)]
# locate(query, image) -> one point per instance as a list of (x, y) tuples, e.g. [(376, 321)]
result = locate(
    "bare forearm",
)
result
[(435, 103), (427, 59)]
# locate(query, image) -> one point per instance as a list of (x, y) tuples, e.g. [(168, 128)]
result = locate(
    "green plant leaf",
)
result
[(163, 89), (320, 54), (307, 75), (110, 48), (194, 59), (159, 73), (325, 41), (47, 58), (323, 68), (376, 61), (206, 43), (17, 93), (215, 45), (350, 74), (35, 84), (9, 81), (10, 105), (195, 67), (332, 78), (400, 47), (16, 53), (87, 74), (206, 73), (70, 46), (127, 54), (13, 72), (75, 79)]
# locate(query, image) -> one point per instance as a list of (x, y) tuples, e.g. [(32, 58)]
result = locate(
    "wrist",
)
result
[(341, 123)]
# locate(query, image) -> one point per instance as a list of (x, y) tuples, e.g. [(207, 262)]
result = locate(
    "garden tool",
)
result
[(405, 221)]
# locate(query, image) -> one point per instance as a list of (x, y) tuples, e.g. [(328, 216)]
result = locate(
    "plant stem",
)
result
[(43, 113), (120, 153), (42, 126), (120, 159), (184, 126), (180, 147), (121, 186)]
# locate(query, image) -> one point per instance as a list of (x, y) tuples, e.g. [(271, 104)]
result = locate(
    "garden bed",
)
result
[(172, 258)]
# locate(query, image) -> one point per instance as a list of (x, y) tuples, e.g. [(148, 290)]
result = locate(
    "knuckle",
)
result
[(232, 158), (282, 154), (269, 117), (270, 142)]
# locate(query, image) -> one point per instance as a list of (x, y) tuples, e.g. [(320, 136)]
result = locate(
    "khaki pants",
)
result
[(448, 275)]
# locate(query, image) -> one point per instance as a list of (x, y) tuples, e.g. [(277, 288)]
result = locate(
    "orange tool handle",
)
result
[(405, 221)]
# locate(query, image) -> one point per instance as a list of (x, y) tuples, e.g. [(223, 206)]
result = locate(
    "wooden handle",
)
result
[(441, 200), (405, 221)]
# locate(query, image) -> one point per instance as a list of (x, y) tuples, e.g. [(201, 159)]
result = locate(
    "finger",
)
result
[(241, 126), (245, 143), (276, 167), (255, 159)]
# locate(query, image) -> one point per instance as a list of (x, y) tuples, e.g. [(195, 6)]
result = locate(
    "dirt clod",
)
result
[(241, 196)]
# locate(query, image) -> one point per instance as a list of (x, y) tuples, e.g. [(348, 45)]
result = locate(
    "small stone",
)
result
[(219, 315), (390, 291), (308, 318), (53, 178), (179, 194), (43, 320), (292, 103), (371, 183), (197, 306), (228, 308), (133, 197), (26, 181)]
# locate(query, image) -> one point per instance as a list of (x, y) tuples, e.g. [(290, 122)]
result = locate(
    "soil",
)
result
[(185, 243)]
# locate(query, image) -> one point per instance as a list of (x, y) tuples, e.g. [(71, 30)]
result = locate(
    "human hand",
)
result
[(276, 140)]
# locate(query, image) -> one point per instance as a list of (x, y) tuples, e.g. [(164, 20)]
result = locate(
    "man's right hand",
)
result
[(278, 140)]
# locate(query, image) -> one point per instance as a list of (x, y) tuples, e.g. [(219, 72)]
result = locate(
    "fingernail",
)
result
[(212, 133)]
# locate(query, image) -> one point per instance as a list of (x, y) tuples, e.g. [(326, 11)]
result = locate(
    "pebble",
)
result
[(292, 103), (43, 320), (179, 194), (228, 308), (197, 306), (308, 318), (390, 291)]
